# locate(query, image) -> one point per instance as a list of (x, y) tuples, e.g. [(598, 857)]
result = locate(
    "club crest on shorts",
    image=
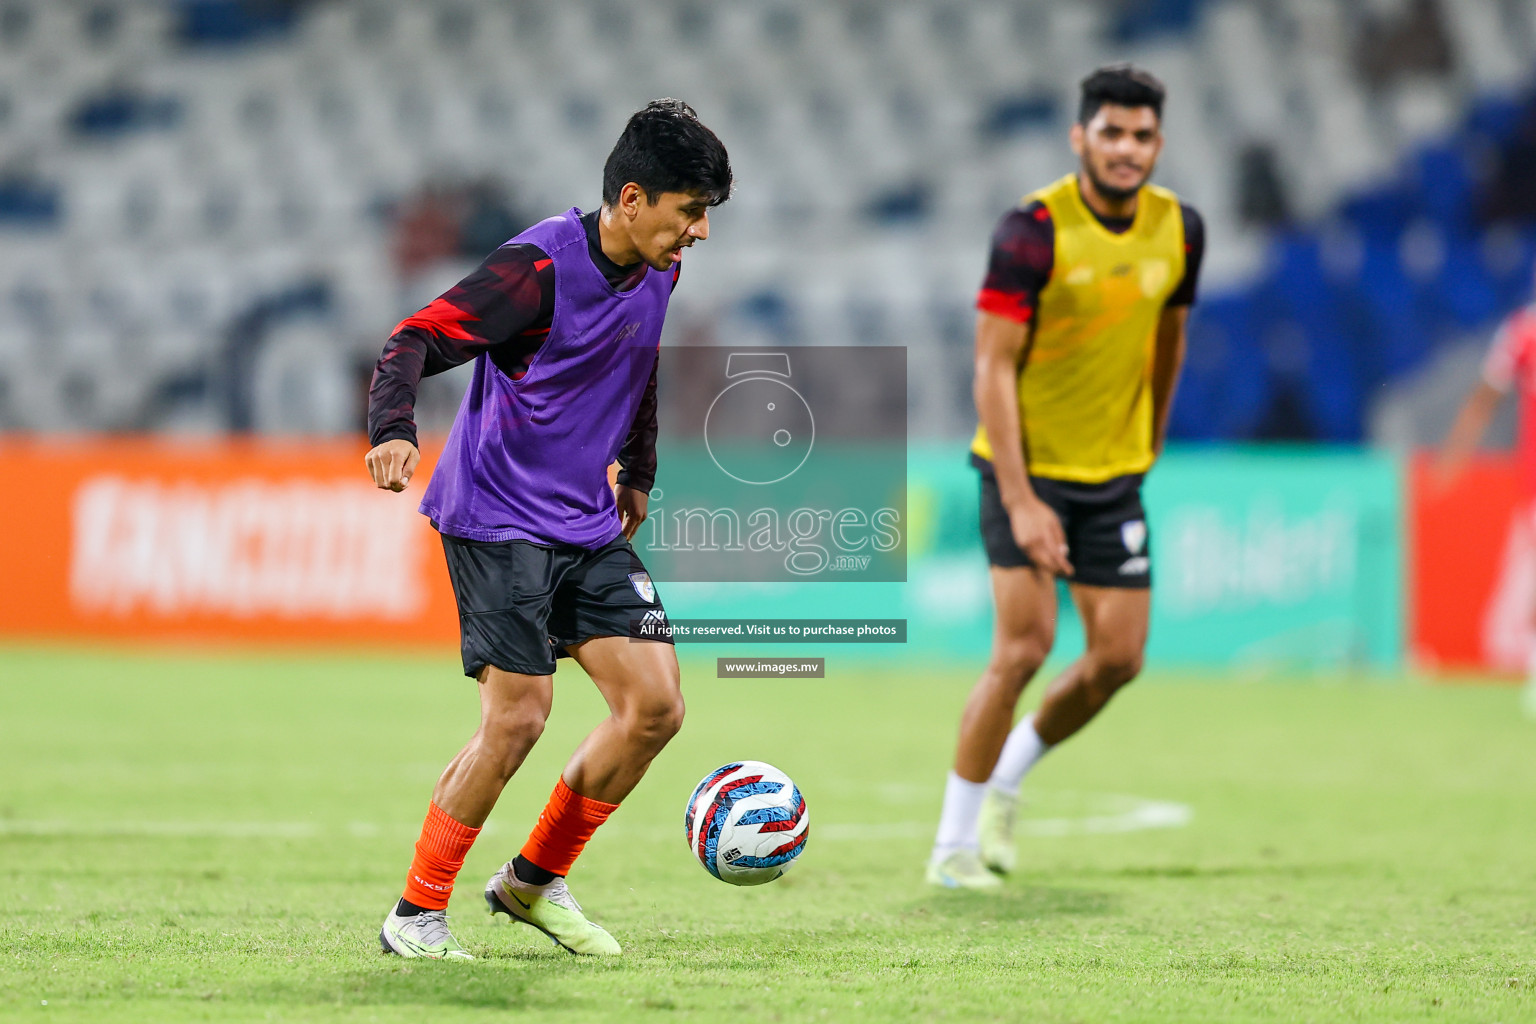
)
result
[(641, 581), (1132, 534)]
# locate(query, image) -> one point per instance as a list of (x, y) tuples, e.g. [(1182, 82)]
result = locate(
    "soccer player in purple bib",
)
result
[(563, 323)]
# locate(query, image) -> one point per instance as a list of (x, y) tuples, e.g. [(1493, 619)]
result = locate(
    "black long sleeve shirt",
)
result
[(503, 309)]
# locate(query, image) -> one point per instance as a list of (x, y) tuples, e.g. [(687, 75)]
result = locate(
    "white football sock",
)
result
[(1023, 748), (957, 823)]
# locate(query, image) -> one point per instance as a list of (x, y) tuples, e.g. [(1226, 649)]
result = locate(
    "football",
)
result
[(746, 823)]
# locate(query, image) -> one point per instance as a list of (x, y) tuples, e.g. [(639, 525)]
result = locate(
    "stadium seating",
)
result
[(167, 168)]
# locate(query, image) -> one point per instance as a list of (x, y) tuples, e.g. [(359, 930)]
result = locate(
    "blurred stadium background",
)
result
[(213, 211)]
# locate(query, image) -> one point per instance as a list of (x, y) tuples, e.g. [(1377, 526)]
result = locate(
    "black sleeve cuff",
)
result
[(637, 481), (402, 432)]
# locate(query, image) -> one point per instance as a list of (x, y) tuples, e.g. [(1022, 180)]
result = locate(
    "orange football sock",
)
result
[(563, 828), (439, 854)]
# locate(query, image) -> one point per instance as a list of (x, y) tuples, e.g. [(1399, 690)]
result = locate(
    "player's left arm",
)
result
[(1471, 421), (1500, 365), (637, 458), (637, 461), (1168, 353)]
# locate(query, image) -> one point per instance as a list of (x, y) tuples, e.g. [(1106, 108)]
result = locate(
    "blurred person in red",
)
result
[(1510, 365)]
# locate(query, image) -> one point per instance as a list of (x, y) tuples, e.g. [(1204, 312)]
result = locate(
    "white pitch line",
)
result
[(200, 829), (1146, 814), (1139, 815), (162, 829)]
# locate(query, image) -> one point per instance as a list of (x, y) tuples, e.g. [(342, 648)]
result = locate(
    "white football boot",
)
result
[(961, 869), (422, 936), (551, 909), (994, 827)]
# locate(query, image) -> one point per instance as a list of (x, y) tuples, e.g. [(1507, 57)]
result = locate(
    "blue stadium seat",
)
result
[(1468, 293), (1225, 386)]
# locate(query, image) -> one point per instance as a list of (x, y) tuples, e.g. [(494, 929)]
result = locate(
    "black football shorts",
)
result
[(522, 604), (1105, 525)]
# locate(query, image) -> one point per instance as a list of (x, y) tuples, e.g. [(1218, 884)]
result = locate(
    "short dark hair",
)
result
[(666, 148), (1122, 85)]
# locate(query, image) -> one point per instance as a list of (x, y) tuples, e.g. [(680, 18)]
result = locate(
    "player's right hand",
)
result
[(1037, 531), (392, 464)]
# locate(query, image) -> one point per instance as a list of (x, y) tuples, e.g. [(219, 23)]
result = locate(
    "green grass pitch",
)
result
[(218, 836)]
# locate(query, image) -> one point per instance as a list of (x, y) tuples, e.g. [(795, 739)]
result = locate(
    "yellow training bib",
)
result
[(1085, 384)]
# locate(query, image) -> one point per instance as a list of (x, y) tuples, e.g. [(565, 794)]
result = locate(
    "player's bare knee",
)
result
[(672, 720), (655, 718), (1113, 669), (1018, 658), (666, 717), (513, 732)]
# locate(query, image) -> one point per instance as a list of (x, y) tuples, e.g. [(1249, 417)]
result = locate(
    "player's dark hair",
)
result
[(1122, 85), (666, 148)]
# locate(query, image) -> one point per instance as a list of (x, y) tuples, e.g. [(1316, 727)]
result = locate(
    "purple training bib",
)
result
[(528, 459)]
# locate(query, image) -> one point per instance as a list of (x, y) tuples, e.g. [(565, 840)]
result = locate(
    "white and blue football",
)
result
[(746, 823)]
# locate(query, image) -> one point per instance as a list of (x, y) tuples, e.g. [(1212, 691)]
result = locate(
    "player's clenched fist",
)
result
[(631, 505), (392, 464)]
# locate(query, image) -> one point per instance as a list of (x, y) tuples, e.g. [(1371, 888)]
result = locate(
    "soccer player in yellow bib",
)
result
[(1079, 342)]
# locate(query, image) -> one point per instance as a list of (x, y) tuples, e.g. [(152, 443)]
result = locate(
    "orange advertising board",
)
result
[(1471, 565), (215, 540), (270, 541)]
